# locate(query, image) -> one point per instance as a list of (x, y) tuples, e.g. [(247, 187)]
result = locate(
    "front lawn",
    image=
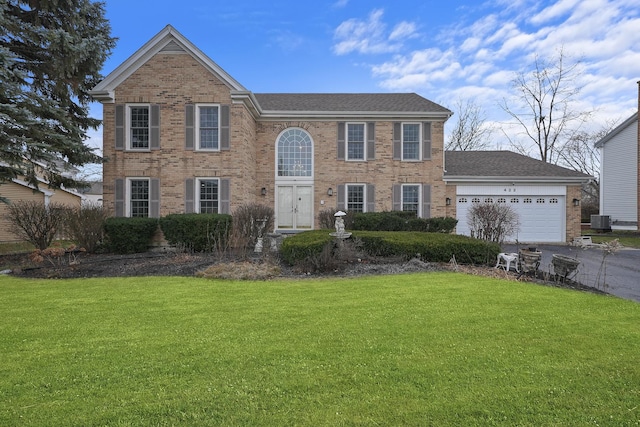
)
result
[(421, 349)]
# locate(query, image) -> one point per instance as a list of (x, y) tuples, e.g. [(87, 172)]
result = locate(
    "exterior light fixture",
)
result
[(576, 202), (263, 191), (330, 192), (448, 201)]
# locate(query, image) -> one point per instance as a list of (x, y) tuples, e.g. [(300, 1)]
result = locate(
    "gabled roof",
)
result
[(505, 166), (631, 120), (352, 103), (168, 40)]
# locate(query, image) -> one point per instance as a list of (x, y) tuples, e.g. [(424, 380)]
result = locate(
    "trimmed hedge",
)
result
[(430, 247), (129, 235), (401, 221), (299, 247), (197, 232)]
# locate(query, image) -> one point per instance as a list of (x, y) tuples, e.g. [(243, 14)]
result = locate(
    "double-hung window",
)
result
[(411, 141), (208, 127), (139, 198), (356, 141), (139, 124), (411, 198), (356, 197), (208, 195)]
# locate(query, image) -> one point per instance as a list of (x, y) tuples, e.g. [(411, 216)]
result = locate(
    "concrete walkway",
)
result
[(619, 275)]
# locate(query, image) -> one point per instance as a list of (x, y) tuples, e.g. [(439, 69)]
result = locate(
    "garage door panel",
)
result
[(541, 218)]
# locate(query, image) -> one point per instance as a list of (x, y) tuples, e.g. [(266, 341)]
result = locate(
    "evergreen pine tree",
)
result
[(51, 53)]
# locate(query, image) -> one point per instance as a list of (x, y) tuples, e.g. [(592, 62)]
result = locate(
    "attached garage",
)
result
[(540, 209), (545, 197)]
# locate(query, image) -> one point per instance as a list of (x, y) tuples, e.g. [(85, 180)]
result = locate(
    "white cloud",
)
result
[(340, 4), (370, 36), (403, 30), (480, 57), (554, 11)]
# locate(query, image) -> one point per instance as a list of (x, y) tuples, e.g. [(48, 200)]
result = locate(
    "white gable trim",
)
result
[(104, 91)]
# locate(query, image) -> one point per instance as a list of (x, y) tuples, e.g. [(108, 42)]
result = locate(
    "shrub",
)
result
[(85, 225), (402, 221), (197, 232), (301, 246), (129, 235), (429, 247), (246, 228), (35, 222), (492, 222), (382, 221)]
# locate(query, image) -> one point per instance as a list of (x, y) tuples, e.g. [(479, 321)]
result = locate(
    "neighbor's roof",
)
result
[(631, 120), (504, 165), (348, 102)]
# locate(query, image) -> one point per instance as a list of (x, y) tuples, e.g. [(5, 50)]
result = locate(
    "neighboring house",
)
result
[(181, 135), (18, 190), (92, 195), (620, 175)]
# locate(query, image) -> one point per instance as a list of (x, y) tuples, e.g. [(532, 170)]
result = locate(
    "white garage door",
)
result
[(541, 217)]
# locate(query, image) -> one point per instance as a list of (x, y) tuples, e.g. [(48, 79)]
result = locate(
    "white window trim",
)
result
[(197, 127), (128, 127), (364, 195), (419, 213), (127, 193), (196, 193), (419, 141), (295, 179), (346, 142)]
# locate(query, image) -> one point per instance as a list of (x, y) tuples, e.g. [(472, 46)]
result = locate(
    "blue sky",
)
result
[(444, 51)]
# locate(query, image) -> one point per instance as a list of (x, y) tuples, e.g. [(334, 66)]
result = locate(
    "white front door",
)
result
[(294, 210)]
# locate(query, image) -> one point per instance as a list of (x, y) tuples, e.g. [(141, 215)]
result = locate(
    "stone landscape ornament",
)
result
[(340, 233)]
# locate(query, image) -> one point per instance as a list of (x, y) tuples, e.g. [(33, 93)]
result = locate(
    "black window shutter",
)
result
[(396, 196), (188, 196), (397, 141), (426, 201), (225, 135), (155, 128), (189, 131), (371, 141), (426, 140), (119, 197), (371, 198), (119, 127), (225, 196), (341, 140), (342, 196), (154, 203)]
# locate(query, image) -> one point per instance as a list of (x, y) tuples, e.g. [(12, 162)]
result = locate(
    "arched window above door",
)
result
[(294, 153)]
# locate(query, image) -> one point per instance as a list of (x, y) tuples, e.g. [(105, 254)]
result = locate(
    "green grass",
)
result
[(629, 239), (438, 349)]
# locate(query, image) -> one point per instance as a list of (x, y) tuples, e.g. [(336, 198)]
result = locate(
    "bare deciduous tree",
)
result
[(471, 132), (35, 222), (544, 107), (492, 222), (580, 154)]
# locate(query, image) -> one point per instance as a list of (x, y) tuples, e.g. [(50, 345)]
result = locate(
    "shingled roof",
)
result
[(348, 102), (504, 165)]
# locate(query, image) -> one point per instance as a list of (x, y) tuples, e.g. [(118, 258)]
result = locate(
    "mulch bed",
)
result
[(83, 265)]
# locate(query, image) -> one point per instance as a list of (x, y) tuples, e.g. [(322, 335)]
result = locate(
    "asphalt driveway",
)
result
[(620, 274)]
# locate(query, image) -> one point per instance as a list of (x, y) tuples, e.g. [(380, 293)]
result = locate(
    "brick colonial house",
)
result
[(182, 135)]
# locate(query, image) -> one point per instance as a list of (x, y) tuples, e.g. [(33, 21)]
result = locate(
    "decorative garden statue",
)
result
[(340, 233)]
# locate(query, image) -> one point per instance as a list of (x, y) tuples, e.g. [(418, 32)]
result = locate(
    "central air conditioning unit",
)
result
[(600, 222)]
